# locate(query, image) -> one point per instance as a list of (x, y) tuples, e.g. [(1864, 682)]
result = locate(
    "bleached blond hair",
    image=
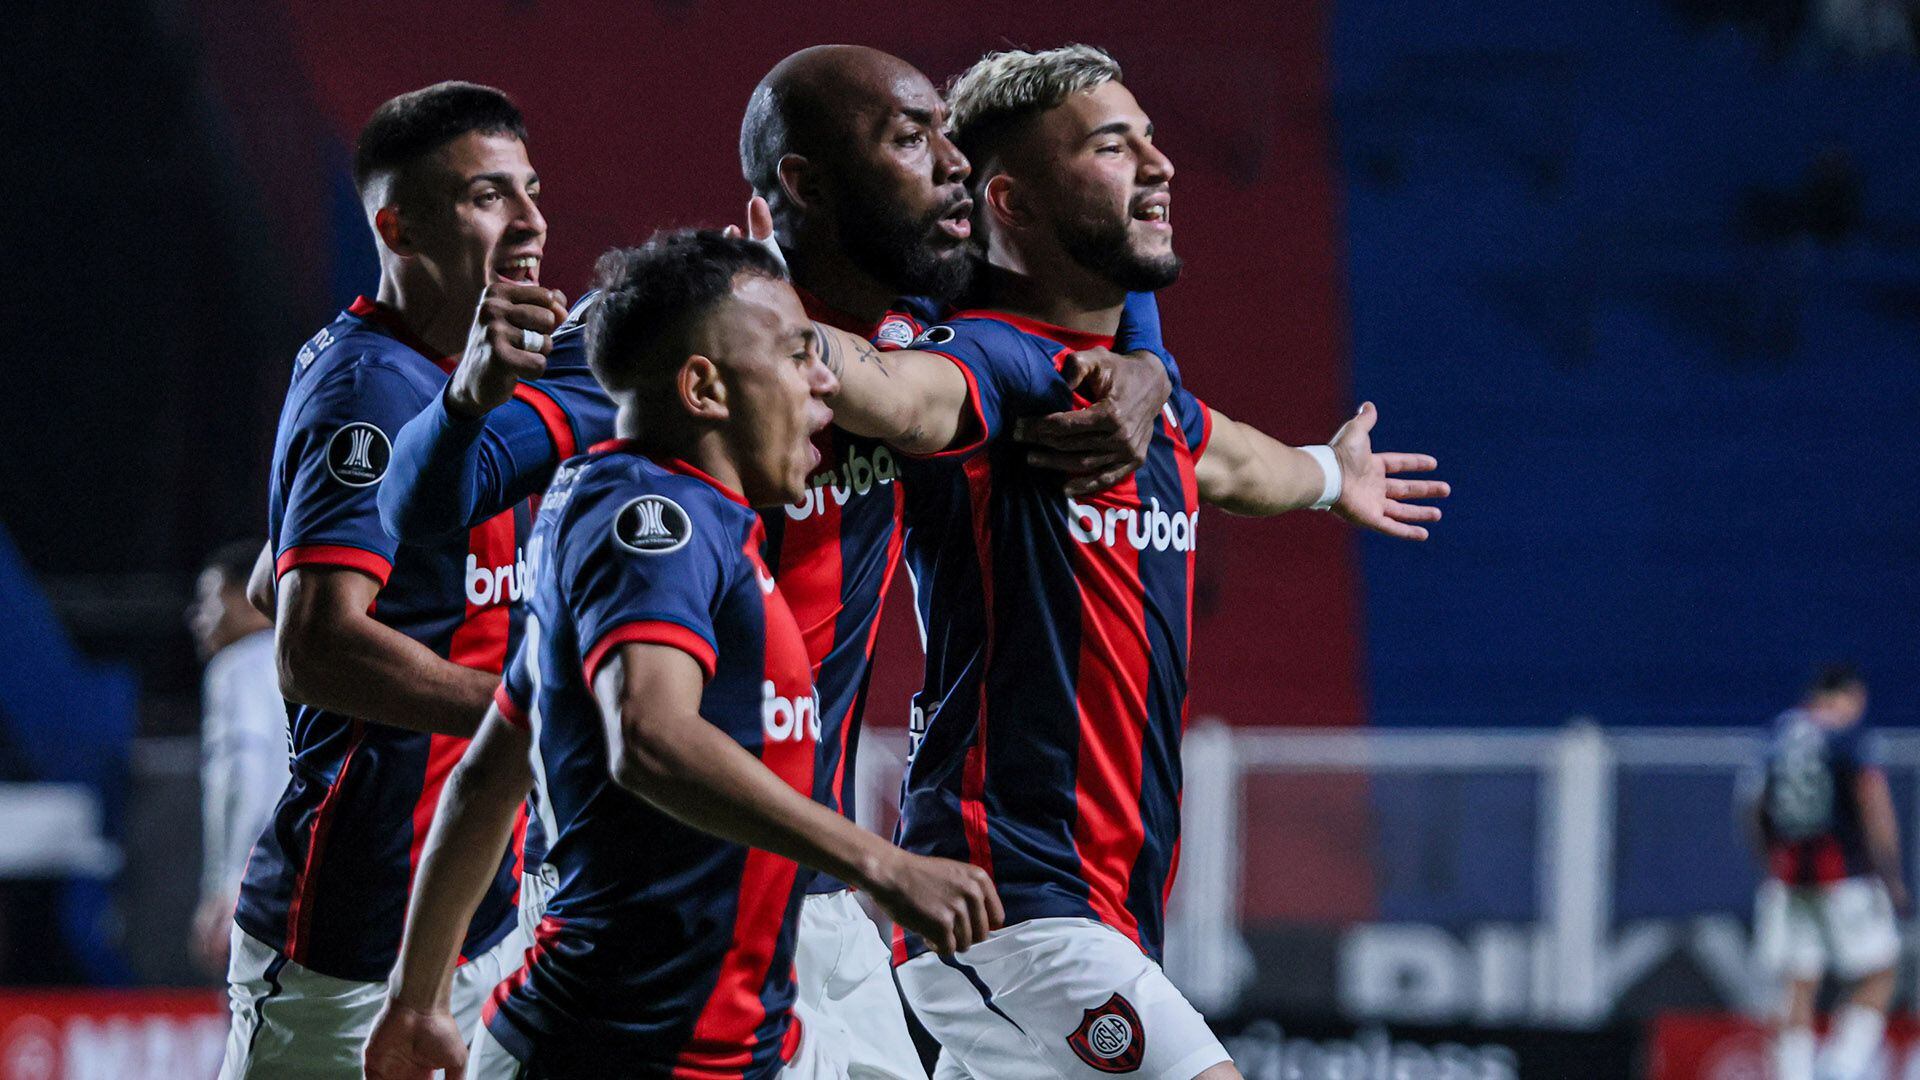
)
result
[(1002, 91)]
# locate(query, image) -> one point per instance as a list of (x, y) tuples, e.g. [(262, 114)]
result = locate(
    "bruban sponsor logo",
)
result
[(788, 719), (1139, 527), (857, 475), (495, 584)]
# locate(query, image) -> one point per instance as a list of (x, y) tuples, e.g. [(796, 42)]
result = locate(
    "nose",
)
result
[(950, 165), (529, 220), (1155, 167), (821, 383)]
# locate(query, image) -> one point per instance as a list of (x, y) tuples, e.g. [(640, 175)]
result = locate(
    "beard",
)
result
[(1103, 243), (909, 253)]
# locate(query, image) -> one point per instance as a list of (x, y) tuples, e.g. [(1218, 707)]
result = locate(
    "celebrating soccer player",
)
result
[(388, 655), (669, 700), (868, 204), (1047, 741)]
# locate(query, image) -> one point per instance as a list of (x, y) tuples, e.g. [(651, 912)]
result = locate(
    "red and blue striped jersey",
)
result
[(327, 883), (1045, 742), (834, 551), (1809, 813), (665, 950)]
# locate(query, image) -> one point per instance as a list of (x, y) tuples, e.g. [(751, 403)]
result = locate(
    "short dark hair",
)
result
[(651, 296), (234, 560), (1837, 677), (408, 127)]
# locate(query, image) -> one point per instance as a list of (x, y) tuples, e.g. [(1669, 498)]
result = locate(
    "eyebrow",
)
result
[(1118, 127), (919, 116), (503, 179)]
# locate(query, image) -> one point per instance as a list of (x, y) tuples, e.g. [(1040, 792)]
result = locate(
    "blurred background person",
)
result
[(1824, 821), (243, 739)]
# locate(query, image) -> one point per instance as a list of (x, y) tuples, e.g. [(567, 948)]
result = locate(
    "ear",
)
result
[(392, 232), (797, 181), (702, 393), (1004, 201)]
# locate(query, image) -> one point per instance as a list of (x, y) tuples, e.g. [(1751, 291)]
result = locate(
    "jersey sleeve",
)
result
[(1009, 375), (1195, 419), (514, 696), (450, 474), (1140, 329), (1859, 750), (337, 456), (648, 568)]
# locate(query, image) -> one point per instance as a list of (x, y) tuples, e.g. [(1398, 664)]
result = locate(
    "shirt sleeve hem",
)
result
[(510, 710), (652, 632), (973, 433), (372, 564)]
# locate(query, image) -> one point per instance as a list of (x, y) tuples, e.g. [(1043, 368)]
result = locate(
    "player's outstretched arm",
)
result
[(464, 458), (914, 401), (661, 749), (415, 1033), (332, 653), (1245, 471)]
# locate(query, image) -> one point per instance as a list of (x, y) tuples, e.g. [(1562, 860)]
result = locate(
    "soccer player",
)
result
[(1825, 824), (243, 739), (868, 203), (388, 655), (669, 699), (1046, 748)]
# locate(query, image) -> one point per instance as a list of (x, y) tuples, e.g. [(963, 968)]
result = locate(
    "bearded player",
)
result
[(1047, 742)]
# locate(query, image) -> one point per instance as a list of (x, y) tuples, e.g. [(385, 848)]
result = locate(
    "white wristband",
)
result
[(1330, 476)]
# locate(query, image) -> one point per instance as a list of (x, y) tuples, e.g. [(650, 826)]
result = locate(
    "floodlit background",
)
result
[(1644, 275)]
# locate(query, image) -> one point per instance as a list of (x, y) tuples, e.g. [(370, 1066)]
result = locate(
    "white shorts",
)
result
[(1057, 999), (292, 1023), (828, 1050), (1798, 929), (844, 972)]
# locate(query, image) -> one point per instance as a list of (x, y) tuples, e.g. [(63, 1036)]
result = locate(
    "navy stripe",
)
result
[(986, 995), (272, 975)]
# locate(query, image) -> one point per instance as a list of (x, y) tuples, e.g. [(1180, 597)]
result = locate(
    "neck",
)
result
[(425, 307), (1050, 287), (822, 268), (669, 441)]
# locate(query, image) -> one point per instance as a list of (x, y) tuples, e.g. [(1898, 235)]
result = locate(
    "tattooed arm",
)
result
[(915, 401)]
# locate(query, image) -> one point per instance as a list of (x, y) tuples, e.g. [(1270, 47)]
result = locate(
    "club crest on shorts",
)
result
[(935, 335), (358, 454), (652, 525), (1110, 1037)]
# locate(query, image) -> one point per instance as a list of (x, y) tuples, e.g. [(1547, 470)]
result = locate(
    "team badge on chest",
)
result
[(1110, 1037)]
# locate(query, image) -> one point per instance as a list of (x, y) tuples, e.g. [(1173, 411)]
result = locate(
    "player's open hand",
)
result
[(1102, 443), (511, 337), (951, 904), (409, 1044), (1371, 493)]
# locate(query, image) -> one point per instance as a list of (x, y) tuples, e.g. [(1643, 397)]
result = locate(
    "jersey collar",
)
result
[(673, 465), (373, 311), (1072, 339)]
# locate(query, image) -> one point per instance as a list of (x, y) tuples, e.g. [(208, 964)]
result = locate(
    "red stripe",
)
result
[(894, 541), (810, 571), (443, 753), (510, 710), (300, 910), (543, 936), (650, 633), (353, 558), (552, 416), (1111, 692), (973, 776), (723, 1037), (480, 641)]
